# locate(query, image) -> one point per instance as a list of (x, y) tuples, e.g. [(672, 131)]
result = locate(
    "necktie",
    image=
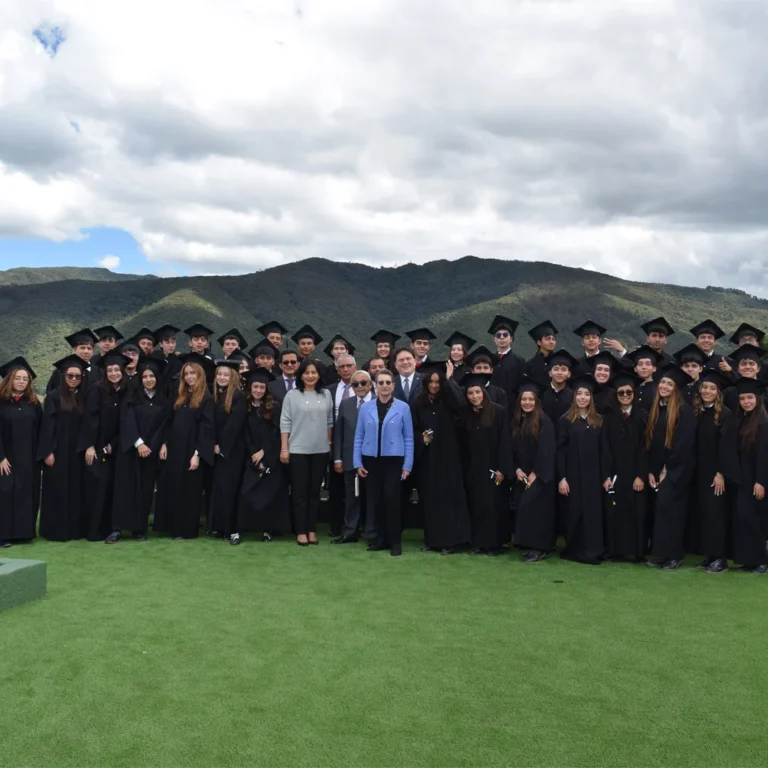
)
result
[(290, 383), (407, 389), (345, 394), (359, 402), (626, 415)]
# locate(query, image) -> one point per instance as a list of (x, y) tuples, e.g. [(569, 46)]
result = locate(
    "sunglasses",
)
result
[(501, 334), (624, 392), (74, 376), (290, 362), (384, 383), (359, 383)]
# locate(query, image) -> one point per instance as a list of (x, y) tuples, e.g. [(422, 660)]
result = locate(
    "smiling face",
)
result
[(582, 397), (258, 390), (149, 380), (591, 343), (134, 356), (457, 354), (547, 343), (383, 349), (706, 342), (361, 385), (748, 402), (107, 344), (645, 368), (384, 385), (475, 396), (748, 368), (420, 347), (146, 346), (527, 402), (229, 346), (190, 376), (114, 374), (708, 392), (433, 384), (73, 377), (223, 375), (405, 363), (275, 338), (602, 373), (310, 377), (625, 395), (666, 387), (559, 374), (376, 365)]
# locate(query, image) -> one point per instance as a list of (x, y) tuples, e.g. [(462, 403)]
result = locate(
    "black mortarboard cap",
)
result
[(562, 357), (475, 380), (589, 327), (750, 386), (113, 357), (717, 378), (708, 326), (193, 357), (690, 353), (272, 327), (604, 358), (129, 344), (457, 337), (505, 323), (643, 352), (17, 362), (307, 331), (482, 352), (527, 384), (198, 329), (233, 365), (70, 361), (587, 381), (328, 349), (677, 374), (625, 378), (148, 364), (83, 336), (547, 328), (259, 374), (264, 347), (108, 332), (165, 332), (658, 325), (420, 334), (747, 352), (233, 334), (428, 367), (144, 333), (745, 329), (385, 337)]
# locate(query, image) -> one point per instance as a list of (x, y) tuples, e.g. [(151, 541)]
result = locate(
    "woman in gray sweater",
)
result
[(306, 422)]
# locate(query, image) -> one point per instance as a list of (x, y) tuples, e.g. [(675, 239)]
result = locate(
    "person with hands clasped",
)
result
[(383, 455)]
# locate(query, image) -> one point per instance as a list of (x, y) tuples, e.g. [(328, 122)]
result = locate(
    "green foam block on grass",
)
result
[(21, 581)]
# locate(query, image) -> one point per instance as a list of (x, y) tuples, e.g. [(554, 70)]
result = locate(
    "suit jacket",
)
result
[(415, 387), (396, 433), (344, 433), (277, 388)]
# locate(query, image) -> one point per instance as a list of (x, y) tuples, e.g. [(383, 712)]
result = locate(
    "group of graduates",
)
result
[(638, 455)]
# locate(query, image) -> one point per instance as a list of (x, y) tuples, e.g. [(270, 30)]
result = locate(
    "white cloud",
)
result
[(110, 262), (240, 135)]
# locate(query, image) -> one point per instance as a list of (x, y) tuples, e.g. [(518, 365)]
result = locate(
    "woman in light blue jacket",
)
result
[(384, 455)]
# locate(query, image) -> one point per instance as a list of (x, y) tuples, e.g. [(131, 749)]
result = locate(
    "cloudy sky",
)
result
[(229, 136)]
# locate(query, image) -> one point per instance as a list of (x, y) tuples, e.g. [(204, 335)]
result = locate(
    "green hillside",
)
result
[(357, 300), (33, 275)]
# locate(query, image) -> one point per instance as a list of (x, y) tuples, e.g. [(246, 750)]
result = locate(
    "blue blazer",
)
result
[(396, 433)]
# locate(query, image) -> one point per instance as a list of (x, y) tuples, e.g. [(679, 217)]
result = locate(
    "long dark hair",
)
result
[(423, 397), (674, 403), (749, 425), (71, 399), (303, 367), (481, 419), (527, 423)]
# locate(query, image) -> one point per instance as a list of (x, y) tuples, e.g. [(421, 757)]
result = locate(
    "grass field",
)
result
[(198, 653)]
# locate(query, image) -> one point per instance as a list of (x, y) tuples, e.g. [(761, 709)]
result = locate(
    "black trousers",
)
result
[(336, 500), (307, 471), (384, 489)]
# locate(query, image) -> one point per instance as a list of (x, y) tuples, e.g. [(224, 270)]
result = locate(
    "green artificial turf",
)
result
[(165, 653)]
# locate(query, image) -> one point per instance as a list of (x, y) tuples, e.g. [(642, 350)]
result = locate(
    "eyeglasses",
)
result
[(384, 383), (347, 365), (359, 383), (624, 392), (290, 362), (74, 376), (501, 334)]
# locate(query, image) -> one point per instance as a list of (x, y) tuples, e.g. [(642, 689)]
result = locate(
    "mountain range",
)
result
[(38, 307)]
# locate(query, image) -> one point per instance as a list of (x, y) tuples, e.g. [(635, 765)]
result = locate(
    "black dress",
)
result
[(484, 449), (623, 456), (100, 429), (578, 461), (441, 485), (144, 418), (707, 513), (228, 464), (671, 500), (180, 490), (264, 503), (535, 505), (62, 514), (19, 491), (743, 467)]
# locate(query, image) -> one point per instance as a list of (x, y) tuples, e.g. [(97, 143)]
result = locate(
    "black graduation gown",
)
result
[(228, 465), (330, 375), (146, 418), (441, 484), (731, 399), (538, 368), (19, 491), (100, 428), (689, 392), (556, 404), (170, 367), (62, 514), (264, 503), (671, 500), (583, 367), (90, 376), (605, 399), (508, 373), (708, 514), (644, 395), (742, 469), (535, 505), (578, 461), (180, 490), (623, 456), (484, 449), (460, 371)]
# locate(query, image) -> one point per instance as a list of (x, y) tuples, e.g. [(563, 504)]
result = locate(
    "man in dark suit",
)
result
[(288, 364), (408, 379), (343, 462)]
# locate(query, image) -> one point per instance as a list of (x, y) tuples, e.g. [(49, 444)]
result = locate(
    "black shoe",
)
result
[(113, 537), (425, 548), (718, 566), (760, 570), (447, 551), (334, 534), (140, 537), (705, 563), (266, 537), (302, 543), (532, 556), (494, 552), (5, 544), (345, 540), (375, 548), (654, 562), (396, 551), (671, 565), (234, 539), (314, 543), (476, 551)]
